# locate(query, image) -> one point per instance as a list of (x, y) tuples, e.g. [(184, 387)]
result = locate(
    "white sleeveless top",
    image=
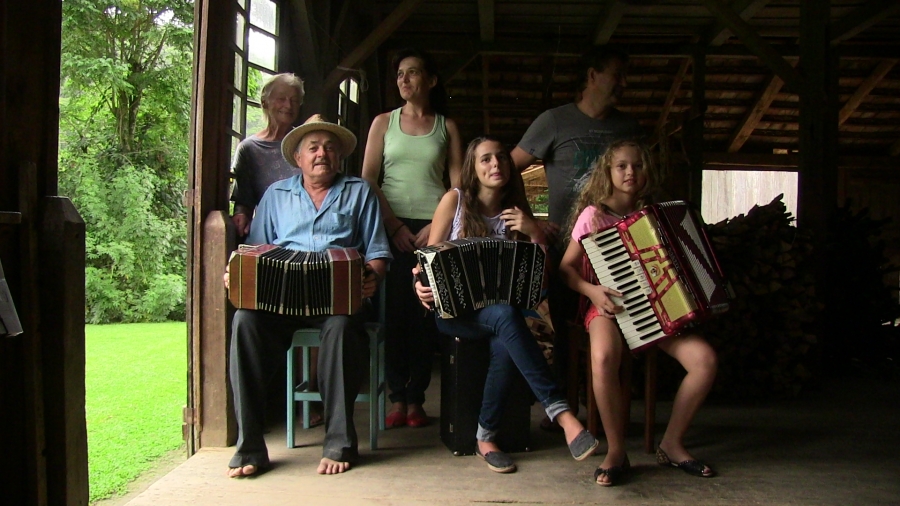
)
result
[(496, 225)]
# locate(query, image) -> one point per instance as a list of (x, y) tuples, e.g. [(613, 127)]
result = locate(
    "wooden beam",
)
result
[(371, 43), (486, 19), (864, 89), (547, 82), (754, 42), (770, 161), (751, 119), (571, 47), (485, 89), (693, 128), (746, 9), (304, 57), (861, 19), (609, 20), (673, 91)]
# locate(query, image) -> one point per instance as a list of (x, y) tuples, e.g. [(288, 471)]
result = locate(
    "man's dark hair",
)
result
[(597, 58)]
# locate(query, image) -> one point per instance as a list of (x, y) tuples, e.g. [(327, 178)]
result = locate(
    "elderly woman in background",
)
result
[(257, 160), (408, 152)]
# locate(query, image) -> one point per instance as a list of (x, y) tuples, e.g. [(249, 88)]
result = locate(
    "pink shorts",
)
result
[(592, 313)]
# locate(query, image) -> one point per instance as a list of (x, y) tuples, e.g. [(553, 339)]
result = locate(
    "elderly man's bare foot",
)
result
[(328, 466), (240, 472)]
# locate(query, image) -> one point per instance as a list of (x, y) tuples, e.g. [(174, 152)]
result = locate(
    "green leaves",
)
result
[(124, 130)]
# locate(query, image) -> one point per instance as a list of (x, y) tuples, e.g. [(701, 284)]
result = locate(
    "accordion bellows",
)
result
[(296, 283), (660, 259), (469, 274)]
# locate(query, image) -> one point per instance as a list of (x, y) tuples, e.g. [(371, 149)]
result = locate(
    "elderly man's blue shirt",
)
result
[(350, 217)]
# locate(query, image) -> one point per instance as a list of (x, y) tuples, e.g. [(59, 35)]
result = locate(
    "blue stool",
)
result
[(375, 396)]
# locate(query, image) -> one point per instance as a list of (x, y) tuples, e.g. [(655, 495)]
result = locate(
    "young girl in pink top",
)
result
[(621, 182)]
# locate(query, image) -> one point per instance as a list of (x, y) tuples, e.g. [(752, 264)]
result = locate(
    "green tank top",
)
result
[(414, 168)]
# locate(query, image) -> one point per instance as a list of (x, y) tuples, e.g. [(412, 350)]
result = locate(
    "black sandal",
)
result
[(615, 474), (693, 467)]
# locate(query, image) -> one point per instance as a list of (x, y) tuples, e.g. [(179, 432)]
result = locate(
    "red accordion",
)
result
[(661, 261)]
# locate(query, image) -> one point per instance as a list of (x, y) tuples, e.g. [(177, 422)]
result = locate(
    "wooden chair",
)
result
[(377, 385), (579, 347)]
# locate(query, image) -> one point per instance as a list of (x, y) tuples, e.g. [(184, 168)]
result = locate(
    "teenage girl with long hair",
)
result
[(491, 202)]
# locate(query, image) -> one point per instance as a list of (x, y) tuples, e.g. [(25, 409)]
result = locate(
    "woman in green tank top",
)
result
[(408, 153)]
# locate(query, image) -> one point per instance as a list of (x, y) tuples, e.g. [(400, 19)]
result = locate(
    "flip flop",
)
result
[(583, 445), (693, 467)]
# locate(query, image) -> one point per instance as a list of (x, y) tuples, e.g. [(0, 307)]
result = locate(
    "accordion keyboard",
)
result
[(615, 269)]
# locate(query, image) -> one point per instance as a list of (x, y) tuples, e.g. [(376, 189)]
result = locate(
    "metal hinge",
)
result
[(188, 199), (451, 428), (189, 415)]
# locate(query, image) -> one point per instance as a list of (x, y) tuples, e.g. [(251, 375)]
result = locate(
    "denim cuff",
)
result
[(485, 435), (555, 408)]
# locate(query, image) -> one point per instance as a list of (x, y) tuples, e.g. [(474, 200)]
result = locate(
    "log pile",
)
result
[(764, 342)]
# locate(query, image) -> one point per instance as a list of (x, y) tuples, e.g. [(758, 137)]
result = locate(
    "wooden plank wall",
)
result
[(42, 250)]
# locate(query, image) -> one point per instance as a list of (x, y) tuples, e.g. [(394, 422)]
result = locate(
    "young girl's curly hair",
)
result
[(599, 186), (513, 193)]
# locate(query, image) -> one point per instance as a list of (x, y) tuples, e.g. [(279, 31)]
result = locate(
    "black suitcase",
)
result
[(464, 364)]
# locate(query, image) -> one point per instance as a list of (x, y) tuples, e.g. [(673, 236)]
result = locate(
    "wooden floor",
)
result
[(834, 447)]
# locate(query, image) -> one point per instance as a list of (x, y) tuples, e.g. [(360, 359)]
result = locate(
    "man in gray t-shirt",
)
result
[(569, 139)]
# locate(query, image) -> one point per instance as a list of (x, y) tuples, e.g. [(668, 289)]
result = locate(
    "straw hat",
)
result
[(314, 123)]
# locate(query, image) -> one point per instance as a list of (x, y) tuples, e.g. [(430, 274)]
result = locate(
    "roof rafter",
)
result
[(755, 114), (755, 43), (673, 92), (371, 43), (861, 18), (609, 19), (864, 89)]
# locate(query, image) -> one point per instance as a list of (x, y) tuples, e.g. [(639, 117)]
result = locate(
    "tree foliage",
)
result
[(124, 129)]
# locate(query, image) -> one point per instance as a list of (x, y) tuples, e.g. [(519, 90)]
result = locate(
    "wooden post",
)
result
[(818, 173), (207, 422), (693, 128), (61, 257)]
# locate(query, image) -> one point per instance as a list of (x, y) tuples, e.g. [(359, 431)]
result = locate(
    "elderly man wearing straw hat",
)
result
[(318, 209)]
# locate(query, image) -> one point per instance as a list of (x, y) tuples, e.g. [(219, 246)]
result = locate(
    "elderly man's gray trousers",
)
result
[(259, 341)]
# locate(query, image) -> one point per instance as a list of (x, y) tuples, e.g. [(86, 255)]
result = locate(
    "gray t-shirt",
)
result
[(256, 165), (568, 141)]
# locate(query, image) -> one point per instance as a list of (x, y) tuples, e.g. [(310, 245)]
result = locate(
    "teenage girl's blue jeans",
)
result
[(512, 346)]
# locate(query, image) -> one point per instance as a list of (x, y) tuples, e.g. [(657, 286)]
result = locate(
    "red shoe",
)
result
[(395, 419), (417, 419)]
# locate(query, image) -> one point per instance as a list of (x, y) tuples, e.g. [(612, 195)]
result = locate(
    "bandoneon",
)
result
[(661, 261), (296, 283), (469, 274)]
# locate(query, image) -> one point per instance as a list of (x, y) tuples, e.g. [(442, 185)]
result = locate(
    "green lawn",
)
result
[(136, 385)]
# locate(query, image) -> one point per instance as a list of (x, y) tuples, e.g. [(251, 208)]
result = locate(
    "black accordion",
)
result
[(469, 274), (296, 283)]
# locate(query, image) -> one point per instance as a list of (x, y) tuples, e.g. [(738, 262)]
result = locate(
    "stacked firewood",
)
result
[(764, 342)]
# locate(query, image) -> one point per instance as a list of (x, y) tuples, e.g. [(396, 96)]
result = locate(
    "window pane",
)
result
[(255, 119), (263, 15), (728, 193), (239, 32), (236, 115), (242, 3), (262, 49), (345, 86), (255, 81), (354, 91), (238, 72)]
